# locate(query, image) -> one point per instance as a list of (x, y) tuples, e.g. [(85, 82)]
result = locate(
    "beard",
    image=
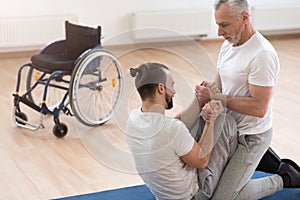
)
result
[(169, 101), (237, 38)]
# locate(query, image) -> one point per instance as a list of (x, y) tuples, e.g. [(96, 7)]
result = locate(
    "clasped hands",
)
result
[(205, 95)]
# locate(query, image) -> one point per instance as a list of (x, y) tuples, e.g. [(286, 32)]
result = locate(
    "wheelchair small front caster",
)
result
[(60, 130), (22, 116)]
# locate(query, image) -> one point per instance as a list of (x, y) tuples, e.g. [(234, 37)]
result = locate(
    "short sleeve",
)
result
[(183, 141), (264, 69)]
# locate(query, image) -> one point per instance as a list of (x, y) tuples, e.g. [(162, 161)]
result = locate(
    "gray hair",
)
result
[(237, 6)]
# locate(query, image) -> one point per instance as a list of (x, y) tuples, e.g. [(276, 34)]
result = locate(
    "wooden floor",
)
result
[(36, 165)]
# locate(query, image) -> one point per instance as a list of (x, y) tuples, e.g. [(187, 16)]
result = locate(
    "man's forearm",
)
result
[(242, 105), (206, 141), (256, 104), (246, 105)]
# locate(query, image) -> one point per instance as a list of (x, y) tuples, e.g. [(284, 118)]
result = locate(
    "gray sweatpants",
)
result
[(225, 143), (232, 164), (236, 182)]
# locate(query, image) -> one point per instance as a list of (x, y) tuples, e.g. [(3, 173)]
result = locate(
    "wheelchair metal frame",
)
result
[(60, 129), (43, 109)]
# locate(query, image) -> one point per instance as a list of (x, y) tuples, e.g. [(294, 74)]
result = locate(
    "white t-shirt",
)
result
[(255, 62), (157, 142)]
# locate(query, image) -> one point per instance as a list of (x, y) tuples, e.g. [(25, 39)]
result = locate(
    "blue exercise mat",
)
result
[(141, 192), (285, 194)]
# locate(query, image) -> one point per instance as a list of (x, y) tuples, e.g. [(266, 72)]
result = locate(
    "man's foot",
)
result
[(290, 173)]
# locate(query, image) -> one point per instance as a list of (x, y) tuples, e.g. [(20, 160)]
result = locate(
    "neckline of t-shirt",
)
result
[(247, 42)]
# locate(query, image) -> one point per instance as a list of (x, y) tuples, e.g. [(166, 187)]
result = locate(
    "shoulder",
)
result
[(265, 52), (263, 45), (135, 112), (134, 115), (180, 131), (175, 123), (181, 139)]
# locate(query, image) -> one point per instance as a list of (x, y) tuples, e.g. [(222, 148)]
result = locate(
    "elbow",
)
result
[(260, 108), (204, 165), (204, 162), (261, 115), (261, 112)]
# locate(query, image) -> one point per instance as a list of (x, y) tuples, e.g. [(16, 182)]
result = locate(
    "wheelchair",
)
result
[(75, 76)]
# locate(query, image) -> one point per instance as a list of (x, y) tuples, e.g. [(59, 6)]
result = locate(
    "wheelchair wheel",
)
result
[(96, 87), (60, 130), (54, 94)]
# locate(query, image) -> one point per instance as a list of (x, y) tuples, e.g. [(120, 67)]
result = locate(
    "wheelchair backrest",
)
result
[(80, 38)]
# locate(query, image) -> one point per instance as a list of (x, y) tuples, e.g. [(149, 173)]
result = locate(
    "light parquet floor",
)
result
[(36, 165)]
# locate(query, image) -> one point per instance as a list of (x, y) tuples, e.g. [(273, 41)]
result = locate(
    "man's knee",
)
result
[(226, 123)]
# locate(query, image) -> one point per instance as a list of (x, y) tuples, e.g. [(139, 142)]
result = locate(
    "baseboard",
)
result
[(25, 53), (13, 54), (283, 36)]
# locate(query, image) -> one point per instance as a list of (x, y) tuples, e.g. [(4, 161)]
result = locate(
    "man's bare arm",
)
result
[(256, 104), (200, 153)]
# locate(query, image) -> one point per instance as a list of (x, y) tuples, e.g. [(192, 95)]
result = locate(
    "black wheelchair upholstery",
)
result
[(62, 55)]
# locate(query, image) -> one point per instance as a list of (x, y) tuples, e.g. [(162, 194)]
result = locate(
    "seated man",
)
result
[(166, 155)]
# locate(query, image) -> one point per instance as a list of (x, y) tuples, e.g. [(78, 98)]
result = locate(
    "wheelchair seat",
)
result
[(62, 55), (76, 71)]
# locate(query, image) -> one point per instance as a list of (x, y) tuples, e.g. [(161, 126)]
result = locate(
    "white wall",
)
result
[(112, 15)]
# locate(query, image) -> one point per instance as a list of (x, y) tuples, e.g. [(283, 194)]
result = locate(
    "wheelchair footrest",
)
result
[(20, 120)]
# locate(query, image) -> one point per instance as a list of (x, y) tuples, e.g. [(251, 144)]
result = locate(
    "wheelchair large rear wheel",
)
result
[(96, 87)]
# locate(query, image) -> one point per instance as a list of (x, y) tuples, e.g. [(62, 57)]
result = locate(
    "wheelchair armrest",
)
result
[(58, 48)]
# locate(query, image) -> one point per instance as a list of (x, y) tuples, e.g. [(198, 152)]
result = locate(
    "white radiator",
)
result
[(31, 32), (196, 23), (277, 20)]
